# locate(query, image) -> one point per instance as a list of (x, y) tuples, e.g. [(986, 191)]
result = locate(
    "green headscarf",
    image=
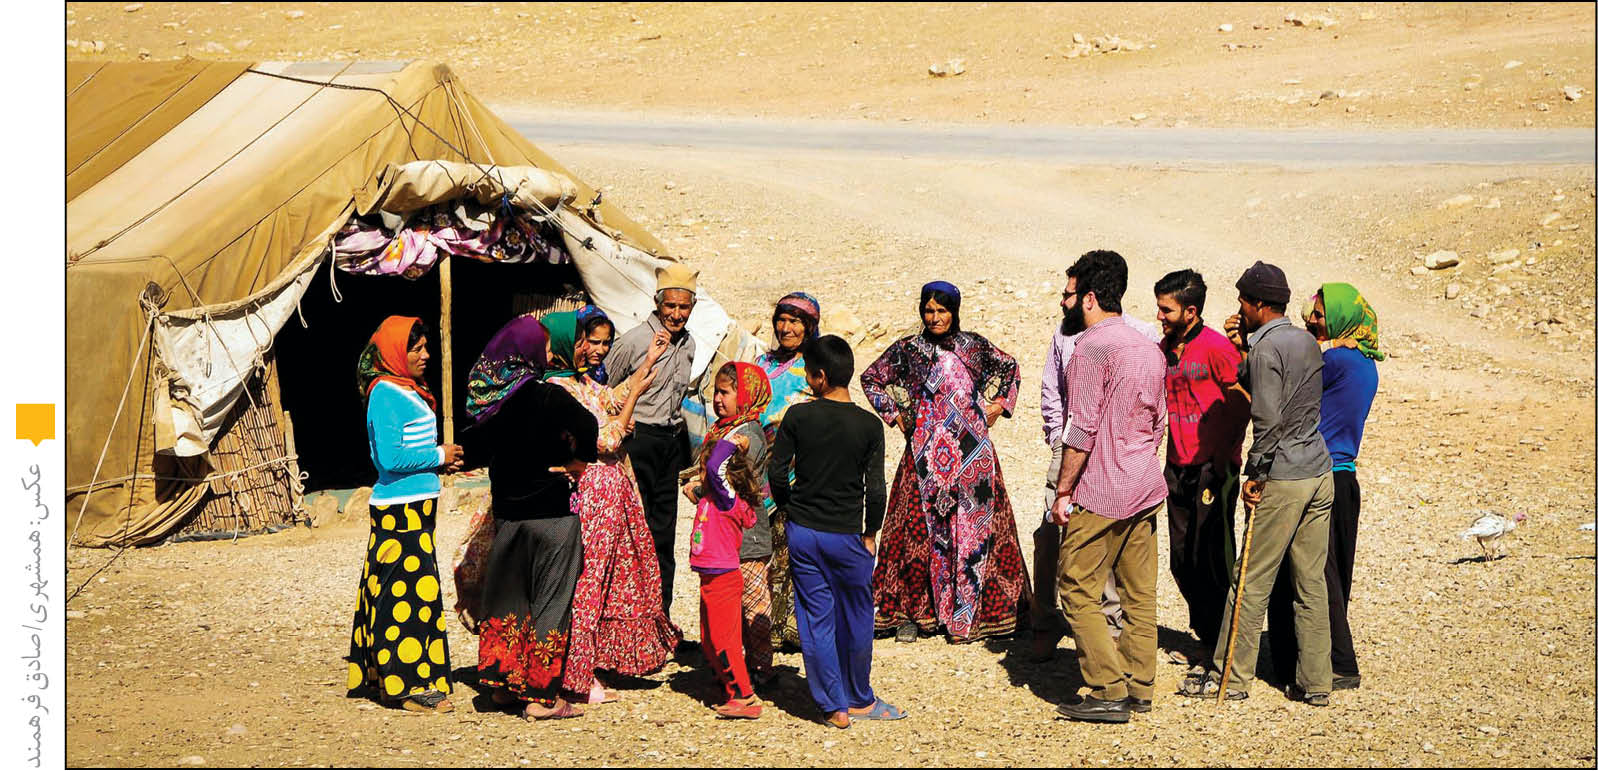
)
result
[(1349, 315), (562, 344)]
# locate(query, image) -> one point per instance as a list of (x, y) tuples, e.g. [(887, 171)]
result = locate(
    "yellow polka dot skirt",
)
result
[(398, 644)]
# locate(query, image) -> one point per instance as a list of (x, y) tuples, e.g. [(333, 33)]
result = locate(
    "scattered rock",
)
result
[(213, 47), (1292, 81), (144, 54), (946, 69), (1452, 291), (1076, 37), (1138, 116), (237, 729), (240, 45), (1367, 15), (1543, 107), (323, 510), (192, 760), (133, 7), (1441, 259), (1313, 22), (1417, 271), (1226, 28), (1507, 255), (291, 15), (1456, 201), (1549, 218), (72, 614), (1572, 93), (1512, 64), (170, 25), (1492, 203)]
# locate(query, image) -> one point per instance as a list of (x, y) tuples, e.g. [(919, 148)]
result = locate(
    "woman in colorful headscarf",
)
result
[(1348, 386), (617, 623), (795, 322), (948, 554), (398, 644), (539, 441), (746, 388)]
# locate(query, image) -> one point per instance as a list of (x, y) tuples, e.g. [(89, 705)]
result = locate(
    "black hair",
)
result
[(1186, 286), (595, 322), (950, 301), (831, 356), (1103, 273), (1278, 307), (419, 330)]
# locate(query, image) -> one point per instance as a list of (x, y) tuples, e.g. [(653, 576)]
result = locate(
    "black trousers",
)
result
[(658, 455), (1200, 510), (1341, 536)]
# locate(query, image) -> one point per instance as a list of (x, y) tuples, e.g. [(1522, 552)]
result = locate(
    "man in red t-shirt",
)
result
[(1208, 415)]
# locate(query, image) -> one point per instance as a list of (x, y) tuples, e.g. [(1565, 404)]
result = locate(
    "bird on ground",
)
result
[(1489, 529)]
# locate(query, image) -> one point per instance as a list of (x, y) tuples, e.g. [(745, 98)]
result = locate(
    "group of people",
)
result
[(797, 541)]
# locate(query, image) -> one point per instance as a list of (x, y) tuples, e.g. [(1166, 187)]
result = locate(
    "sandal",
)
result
[(739, 710), (881, 710), (564, 711), (1200, 683), (431, 702), (834, 719)]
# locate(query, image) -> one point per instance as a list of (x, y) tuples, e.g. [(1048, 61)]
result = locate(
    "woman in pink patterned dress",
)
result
[(617, 623)]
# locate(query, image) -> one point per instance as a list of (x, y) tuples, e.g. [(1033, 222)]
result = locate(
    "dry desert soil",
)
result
[(223, 654)]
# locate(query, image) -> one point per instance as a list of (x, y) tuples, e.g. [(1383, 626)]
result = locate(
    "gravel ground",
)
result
[(230, 652)]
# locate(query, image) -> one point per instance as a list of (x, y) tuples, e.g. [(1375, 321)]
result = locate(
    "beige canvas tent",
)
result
[(202, 200)]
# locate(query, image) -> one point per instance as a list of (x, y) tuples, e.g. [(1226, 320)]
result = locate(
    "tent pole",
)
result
[(446, 346)]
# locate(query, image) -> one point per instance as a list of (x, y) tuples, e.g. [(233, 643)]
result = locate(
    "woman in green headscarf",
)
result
[(1340, 314), (618, 626)]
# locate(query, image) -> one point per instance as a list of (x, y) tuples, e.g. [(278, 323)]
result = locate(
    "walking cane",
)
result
[(1237, 605)]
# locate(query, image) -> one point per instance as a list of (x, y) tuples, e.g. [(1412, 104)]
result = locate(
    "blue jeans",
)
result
[(832, 588)]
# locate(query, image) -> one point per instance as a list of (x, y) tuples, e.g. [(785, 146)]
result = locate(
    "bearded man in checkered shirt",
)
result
[(1111, 485)]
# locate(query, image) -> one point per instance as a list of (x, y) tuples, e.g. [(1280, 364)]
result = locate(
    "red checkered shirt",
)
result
[(1116, 379)]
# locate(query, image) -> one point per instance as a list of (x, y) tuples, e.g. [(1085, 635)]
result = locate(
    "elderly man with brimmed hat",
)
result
[(659, 446), (1289, 486)]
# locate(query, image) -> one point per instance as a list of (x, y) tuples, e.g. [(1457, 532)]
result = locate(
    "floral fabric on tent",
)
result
[(386, 244)]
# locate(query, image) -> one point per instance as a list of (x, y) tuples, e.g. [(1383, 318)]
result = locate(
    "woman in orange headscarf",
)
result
[(399, 644)]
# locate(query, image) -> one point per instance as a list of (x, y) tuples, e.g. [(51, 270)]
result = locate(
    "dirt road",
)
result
[(1294, 148)]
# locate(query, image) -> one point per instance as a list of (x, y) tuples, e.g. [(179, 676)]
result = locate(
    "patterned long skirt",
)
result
[(528, 583), (904, 580), (756, 616), (398, 644), (784, 628), (617, 623)]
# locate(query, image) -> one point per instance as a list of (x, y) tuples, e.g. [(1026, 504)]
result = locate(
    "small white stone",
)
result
[(1226, 28), (294, 14), (1512, 64)]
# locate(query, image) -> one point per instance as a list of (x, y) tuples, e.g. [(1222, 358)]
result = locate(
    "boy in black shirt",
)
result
[(826, 470)]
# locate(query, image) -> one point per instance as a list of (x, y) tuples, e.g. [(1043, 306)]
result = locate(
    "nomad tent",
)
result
[(234, 234)]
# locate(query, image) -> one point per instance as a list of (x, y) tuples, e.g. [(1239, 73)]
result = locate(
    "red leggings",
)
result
[(721, 628)]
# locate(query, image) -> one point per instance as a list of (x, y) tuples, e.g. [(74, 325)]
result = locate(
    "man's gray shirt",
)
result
[(661, 405), (1283, 373)]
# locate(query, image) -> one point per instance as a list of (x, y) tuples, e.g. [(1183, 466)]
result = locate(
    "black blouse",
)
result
[(539, 427)]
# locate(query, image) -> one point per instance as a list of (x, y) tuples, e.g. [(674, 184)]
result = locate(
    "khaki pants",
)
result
[(1046, 617), (1096, 548), (1291, 519)]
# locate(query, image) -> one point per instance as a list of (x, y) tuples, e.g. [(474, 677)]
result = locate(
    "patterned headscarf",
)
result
[(1348, 315), (513, 357), (383, 358), (565, 329), (753, 394), (804, 306)]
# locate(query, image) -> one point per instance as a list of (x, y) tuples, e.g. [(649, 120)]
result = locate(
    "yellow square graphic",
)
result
[(36, 422)]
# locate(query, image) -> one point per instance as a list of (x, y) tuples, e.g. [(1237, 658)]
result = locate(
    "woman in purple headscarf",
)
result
[(540, 440), (795, 322), (948, 555)]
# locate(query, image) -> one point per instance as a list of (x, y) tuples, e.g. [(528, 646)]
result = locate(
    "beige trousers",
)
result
[(1096, 548)]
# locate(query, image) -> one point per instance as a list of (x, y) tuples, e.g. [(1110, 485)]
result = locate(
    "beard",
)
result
[(1072, 321)]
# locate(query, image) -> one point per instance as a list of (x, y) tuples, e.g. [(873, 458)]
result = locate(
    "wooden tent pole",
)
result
[(446, 346)]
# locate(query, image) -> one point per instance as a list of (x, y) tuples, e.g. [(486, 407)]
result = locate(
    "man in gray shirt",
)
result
[(658, 445), (1289, 487)]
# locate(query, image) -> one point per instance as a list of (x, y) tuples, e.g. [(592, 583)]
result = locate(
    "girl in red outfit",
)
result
[(728, 505)]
